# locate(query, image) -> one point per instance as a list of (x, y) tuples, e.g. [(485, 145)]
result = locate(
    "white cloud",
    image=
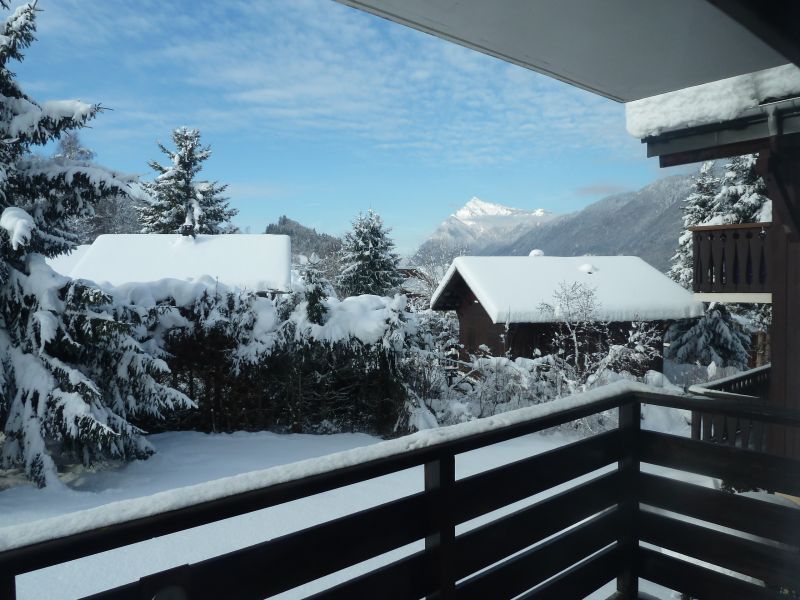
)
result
[(313, 68)]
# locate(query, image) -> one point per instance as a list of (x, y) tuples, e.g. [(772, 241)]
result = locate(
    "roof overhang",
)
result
[(622, 49), (750, 132)]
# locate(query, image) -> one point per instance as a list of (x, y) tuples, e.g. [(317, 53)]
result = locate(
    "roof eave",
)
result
[(750, 132)]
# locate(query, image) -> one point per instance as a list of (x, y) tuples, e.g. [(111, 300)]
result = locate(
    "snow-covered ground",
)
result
[(188, 458)]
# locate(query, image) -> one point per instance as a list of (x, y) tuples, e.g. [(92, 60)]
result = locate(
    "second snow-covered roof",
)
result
[(253, 262), (513, 288)]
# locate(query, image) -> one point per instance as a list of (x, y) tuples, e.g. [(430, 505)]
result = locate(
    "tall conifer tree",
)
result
[(180, 203), (72, 371), (697, 209), (369, 263)]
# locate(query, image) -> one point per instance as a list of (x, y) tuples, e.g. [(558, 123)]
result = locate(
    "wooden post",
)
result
[(780, 168), (440, 478), (8, 587), (630, 417)]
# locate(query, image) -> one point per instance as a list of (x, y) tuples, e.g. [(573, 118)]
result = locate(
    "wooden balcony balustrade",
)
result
[(611, 525), (731, 258), (749, 387)]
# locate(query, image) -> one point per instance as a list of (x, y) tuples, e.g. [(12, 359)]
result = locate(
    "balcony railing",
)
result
[(750, 387), (731, 259), (614, 524)]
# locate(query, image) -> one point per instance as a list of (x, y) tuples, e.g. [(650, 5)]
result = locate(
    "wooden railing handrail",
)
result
[(433, 507), (85, 543), (744, 377)]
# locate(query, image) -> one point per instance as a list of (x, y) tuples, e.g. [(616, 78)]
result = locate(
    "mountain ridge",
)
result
[(645, 222)]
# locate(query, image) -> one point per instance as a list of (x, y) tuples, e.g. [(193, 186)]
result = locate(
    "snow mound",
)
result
[(366, 318), (536, 252), (588, 268), (18, 224), (713, 102)]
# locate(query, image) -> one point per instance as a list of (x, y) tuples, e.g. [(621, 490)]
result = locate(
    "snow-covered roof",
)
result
[(513, 288), (253, 262), (64, 263), (714, 102)]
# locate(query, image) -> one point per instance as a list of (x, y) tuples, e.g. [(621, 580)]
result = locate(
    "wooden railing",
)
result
[(749, 387), (564, 546), (731, 258)]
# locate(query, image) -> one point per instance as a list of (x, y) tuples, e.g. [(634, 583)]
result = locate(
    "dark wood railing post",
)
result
[(440, 478), (630, 417), (8, 587)]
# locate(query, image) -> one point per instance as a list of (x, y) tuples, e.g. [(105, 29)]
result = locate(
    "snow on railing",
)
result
[(136, 508)]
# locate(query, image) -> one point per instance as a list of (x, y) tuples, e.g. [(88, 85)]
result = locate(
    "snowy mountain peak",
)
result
[(479, 223), (479, 208)]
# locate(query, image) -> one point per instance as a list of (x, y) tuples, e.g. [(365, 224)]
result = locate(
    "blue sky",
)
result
[(318, 111)]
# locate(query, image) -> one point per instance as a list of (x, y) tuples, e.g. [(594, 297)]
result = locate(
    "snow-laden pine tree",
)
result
[(741, 197), (317, 290), (72, 371), (697, 210), (715, 337), (369, 264), (178, 198)]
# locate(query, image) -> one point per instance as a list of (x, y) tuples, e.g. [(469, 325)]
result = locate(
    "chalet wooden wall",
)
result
[(476, 328), (519, 339)]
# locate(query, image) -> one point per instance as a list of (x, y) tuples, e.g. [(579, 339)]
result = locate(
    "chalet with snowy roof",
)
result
[(259, 263), (500, 299)]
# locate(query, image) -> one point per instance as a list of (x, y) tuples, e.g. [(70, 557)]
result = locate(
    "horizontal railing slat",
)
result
[(52, 552), (498, 487), (404, 579), (582, 579), (755, 412), (773, 473), (764, 519), (756, 559), (528, 569), (504, 546), (698, 582), (308, 554), (130, 591), (314, 552), (490, 543)]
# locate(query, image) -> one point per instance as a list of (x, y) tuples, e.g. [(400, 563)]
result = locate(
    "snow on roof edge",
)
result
[(114, 513), (651, 295), (255, 262), (713, 102), (443, 283)]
